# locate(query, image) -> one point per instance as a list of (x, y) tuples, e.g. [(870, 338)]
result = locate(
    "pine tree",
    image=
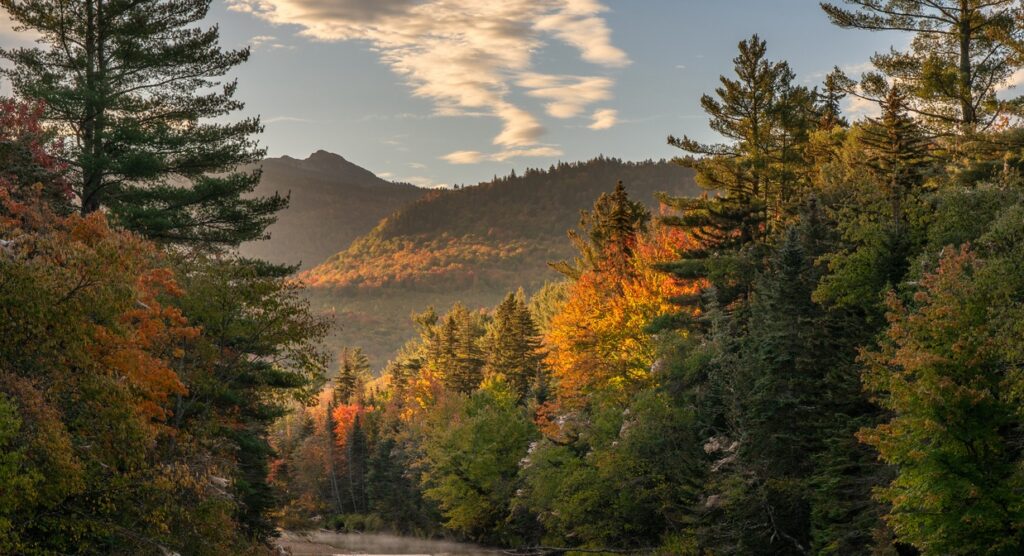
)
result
[(136, 90), (897, 155), (962, 52), (758, 177), (748, 112)]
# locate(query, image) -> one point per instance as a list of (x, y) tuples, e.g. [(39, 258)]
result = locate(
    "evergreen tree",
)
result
[(829, 99), (356, 455), (136, 88), (884, 225), (458, 356), (259, 353), (353, 366), (897, 156), (514, 345), (747, 112), (606, 232), (758, 177), (391, 491), (962, 52)]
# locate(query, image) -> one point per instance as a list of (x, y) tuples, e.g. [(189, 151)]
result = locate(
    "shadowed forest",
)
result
[(820, 351)]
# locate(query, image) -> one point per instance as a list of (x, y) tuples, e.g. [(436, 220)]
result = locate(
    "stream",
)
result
[(330, 543)]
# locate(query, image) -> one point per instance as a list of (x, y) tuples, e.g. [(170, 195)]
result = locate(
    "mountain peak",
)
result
[(322, 156), (330, 166)]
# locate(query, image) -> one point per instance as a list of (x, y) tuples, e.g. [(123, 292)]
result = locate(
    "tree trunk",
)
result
[(969, 118), (90, 201)]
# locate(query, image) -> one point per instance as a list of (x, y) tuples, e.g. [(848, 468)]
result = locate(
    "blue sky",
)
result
[(455, 91)]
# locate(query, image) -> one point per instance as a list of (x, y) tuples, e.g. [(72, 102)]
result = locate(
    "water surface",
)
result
[(330, 543)]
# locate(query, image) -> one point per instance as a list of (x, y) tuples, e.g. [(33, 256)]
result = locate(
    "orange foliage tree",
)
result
[(598, 344)]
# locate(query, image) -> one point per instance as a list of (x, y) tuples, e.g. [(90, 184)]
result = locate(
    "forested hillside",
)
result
[(331, 202), (471, 244), (820, 354), (821, 358)]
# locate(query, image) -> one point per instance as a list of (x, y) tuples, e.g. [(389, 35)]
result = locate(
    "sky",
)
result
[(441, 92)]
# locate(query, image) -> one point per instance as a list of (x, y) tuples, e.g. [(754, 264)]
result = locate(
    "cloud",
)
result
[(464, 157), (1007, 89), (577, 23), (569, 95), (423, 181), (475, 157), (604, 119), (268, 42), (286, 119), (857, 107), (8, 33), (468, 56)]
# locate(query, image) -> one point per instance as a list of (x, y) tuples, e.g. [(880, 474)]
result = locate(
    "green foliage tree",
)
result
[(947, 372), (356, 455), (961, 53), (639, 479), (883, 226), (472, 450), (259, 353), (135, 89)]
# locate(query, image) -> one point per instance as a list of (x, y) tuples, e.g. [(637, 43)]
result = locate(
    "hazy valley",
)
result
[(433, 247)]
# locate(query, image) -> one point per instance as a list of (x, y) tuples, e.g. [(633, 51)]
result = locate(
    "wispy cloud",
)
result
[(268, 42), (569, 95), (423, 181), (286, 119), (605, 119), (474, 157), (468, 56), (1008, 88)]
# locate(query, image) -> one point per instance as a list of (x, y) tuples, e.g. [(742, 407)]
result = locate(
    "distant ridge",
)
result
[(472, 244), (333, 201)]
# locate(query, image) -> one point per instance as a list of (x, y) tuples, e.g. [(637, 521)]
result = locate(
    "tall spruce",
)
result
[(459, 359), (356, 457), (746, 112), (514, 345), (353, 366), (136, 88), (606, 232), (829, 99), (897, 155), (962, 52)]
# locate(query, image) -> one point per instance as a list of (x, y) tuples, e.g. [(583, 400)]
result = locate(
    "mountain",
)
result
[(333, 202), (471, 244)]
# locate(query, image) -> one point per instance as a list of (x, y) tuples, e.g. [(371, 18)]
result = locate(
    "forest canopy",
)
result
[(819, 354)]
